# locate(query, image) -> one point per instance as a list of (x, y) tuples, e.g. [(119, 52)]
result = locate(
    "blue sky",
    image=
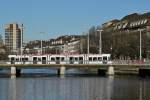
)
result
[(59, 17)]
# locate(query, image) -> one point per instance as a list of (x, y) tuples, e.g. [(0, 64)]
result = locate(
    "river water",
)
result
[(75, 88)]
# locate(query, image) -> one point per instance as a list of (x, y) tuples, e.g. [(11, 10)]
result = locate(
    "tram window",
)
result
[(94, 58), (57, 58), (26, 59), (62, 58), (52, 59), (108, 58), (71, 58), (80, 58), (105, 58), (17, 59), (100, 58), (39, 59), (90, 58), (76, 58), (34, 58)]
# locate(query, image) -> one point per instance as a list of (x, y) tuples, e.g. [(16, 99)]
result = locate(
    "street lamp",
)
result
[(100, 40)]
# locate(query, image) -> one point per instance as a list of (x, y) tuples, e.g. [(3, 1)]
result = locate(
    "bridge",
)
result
[(110, 69)]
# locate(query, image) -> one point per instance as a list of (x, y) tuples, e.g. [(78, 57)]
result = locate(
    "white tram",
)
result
[(99, 59), (76, 59), (60, 59), (38, 59), (57, 59), (17, 59)]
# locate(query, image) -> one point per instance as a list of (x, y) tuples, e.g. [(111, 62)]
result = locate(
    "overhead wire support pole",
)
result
[(41, 42), (140, 44), (88, 44)]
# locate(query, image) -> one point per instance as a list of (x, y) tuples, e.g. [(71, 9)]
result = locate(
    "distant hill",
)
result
[(136, 16)]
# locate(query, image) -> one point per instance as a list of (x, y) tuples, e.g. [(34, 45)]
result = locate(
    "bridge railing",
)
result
[(123, 62)]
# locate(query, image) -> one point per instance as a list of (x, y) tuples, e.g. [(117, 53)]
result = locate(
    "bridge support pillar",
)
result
[(110, 70), (13, 72), (62, 70)]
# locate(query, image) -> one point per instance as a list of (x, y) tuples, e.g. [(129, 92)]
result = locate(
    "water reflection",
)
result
[(12, 93), (144, 89), (130, 88), (74, 88)]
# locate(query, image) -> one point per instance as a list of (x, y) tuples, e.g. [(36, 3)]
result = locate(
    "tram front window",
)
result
[(104, 58)]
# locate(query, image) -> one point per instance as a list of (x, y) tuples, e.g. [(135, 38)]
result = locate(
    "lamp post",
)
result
[(100, 41)]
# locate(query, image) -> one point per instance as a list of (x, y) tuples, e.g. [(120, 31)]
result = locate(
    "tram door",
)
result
[(57, 60), (71, 60), (12, 60), (43, 60), (34, 60)]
